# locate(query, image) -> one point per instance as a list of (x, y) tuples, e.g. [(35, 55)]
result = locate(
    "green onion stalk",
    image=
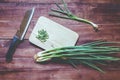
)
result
[(91, 54), (67, 14)]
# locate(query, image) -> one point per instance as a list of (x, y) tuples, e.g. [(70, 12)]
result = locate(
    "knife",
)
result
[(20, 34)]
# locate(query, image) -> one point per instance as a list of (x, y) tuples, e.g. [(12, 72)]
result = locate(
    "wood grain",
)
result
[(106, 13), (68, 1)]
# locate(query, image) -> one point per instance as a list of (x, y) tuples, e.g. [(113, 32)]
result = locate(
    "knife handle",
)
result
[(12, 48)]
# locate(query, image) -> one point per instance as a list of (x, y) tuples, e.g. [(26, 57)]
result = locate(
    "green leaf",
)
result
[(42, 35), (92, 66)]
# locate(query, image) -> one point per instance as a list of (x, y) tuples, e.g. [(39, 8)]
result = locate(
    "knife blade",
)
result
[(20, 34)]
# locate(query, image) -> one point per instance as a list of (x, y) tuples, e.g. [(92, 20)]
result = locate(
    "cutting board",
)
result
[(57, 35)]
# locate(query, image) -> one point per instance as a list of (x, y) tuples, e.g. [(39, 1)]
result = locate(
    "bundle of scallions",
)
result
[(64, 12), (90, 54)]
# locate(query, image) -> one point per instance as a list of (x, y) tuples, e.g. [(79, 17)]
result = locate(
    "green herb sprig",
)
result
[(42, 35), (67, 14), (87, 54)]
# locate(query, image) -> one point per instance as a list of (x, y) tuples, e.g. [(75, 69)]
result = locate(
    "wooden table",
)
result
[(106, 13)]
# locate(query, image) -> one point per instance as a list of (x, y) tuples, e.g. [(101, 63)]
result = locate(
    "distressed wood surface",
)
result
[(106, 13)]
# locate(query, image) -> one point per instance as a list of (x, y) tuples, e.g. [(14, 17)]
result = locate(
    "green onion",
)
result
[(67, 14), (89, 54)]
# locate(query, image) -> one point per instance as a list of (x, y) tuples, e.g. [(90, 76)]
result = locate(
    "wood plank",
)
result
[(88, 34), (52, 1), (57, 75), (51, 71), (103, 12)]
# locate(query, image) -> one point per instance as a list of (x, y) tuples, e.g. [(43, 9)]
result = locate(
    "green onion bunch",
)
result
[(64, 12), (87, 54)]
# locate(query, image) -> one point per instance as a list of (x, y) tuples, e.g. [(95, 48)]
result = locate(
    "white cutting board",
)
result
[(58, 35)]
